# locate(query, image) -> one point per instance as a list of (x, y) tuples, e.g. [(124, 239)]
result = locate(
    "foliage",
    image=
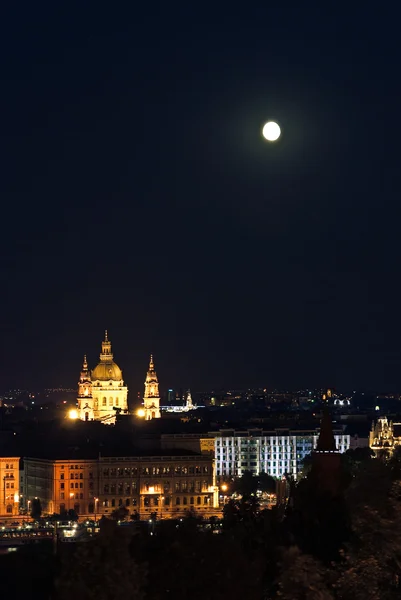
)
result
[(101, 569), (302, 577), (249, 484), (120, 513)]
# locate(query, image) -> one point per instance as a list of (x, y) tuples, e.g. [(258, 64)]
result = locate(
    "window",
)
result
[(76, 486), (91, 485), (61, 486), (71, 485), (205, 499), (106, 488), (62, 467), (81, 496), (81, 475), (110, 401), (178, 501), (113, 502), (116, 401), (192, 501), (81, 485), (127, 502), (9, 509), (61, 475), (185, 500), (199, 500), (62, 495), (104, 402)]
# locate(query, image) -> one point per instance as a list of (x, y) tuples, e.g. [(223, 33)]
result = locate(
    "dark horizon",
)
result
[(139, 195)]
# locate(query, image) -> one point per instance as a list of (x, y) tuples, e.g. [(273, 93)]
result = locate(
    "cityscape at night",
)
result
[(200, 378)]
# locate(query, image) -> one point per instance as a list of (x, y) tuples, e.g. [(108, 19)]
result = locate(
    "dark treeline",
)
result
[(322, 547)]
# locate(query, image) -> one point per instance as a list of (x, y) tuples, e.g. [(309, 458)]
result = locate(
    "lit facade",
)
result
[(151, 398), (9, 486), (276, 452), (102, 393), (384, 436), (166, 485)]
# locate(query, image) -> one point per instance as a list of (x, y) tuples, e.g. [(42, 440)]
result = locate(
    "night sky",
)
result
[(138, 195)]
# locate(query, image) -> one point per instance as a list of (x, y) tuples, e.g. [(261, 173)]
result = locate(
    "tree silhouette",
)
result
[(101, 569)]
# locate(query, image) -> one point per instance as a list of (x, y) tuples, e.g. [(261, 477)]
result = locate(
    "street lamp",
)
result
[(96, 500), (224, 488)]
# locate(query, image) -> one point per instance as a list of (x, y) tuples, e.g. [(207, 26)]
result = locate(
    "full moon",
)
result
[(271, 131)]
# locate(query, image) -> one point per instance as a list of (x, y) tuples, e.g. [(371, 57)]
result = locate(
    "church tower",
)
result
[(189, 404), (85, 400), (151, 398)]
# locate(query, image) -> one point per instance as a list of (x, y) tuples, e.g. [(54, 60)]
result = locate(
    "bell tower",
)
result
[(151, 398), (85, 400)]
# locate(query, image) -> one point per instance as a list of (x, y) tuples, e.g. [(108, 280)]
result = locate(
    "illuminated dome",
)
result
[(107, 369)]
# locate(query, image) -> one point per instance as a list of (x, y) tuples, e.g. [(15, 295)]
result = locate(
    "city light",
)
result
[(140, 412), (73, 414)]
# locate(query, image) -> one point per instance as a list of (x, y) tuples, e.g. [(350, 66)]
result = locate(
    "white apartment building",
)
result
[(276, 453)]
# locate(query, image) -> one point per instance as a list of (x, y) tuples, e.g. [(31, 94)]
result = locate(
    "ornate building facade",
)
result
[(151, 398), (384, 436), (9, 486), (169, 485), (102, 393)]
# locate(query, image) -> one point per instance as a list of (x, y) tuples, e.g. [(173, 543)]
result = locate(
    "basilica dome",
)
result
[(105, 371)]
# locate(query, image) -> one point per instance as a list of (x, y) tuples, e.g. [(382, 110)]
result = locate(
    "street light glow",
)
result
[(73, 414)]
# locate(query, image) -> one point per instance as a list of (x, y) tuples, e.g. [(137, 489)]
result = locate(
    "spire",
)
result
[(85, 364), (106, 354), (326, 441), (151, 363)]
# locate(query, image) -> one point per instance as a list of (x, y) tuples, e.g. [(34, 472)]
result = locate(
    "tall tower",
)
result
[(151, 398), (189, 404), (85, 400), (326, 460)]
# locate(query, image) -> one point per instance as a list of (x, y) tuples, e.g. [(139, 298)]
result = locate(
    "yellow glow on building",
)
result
[(140, 412), (73, 414)]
